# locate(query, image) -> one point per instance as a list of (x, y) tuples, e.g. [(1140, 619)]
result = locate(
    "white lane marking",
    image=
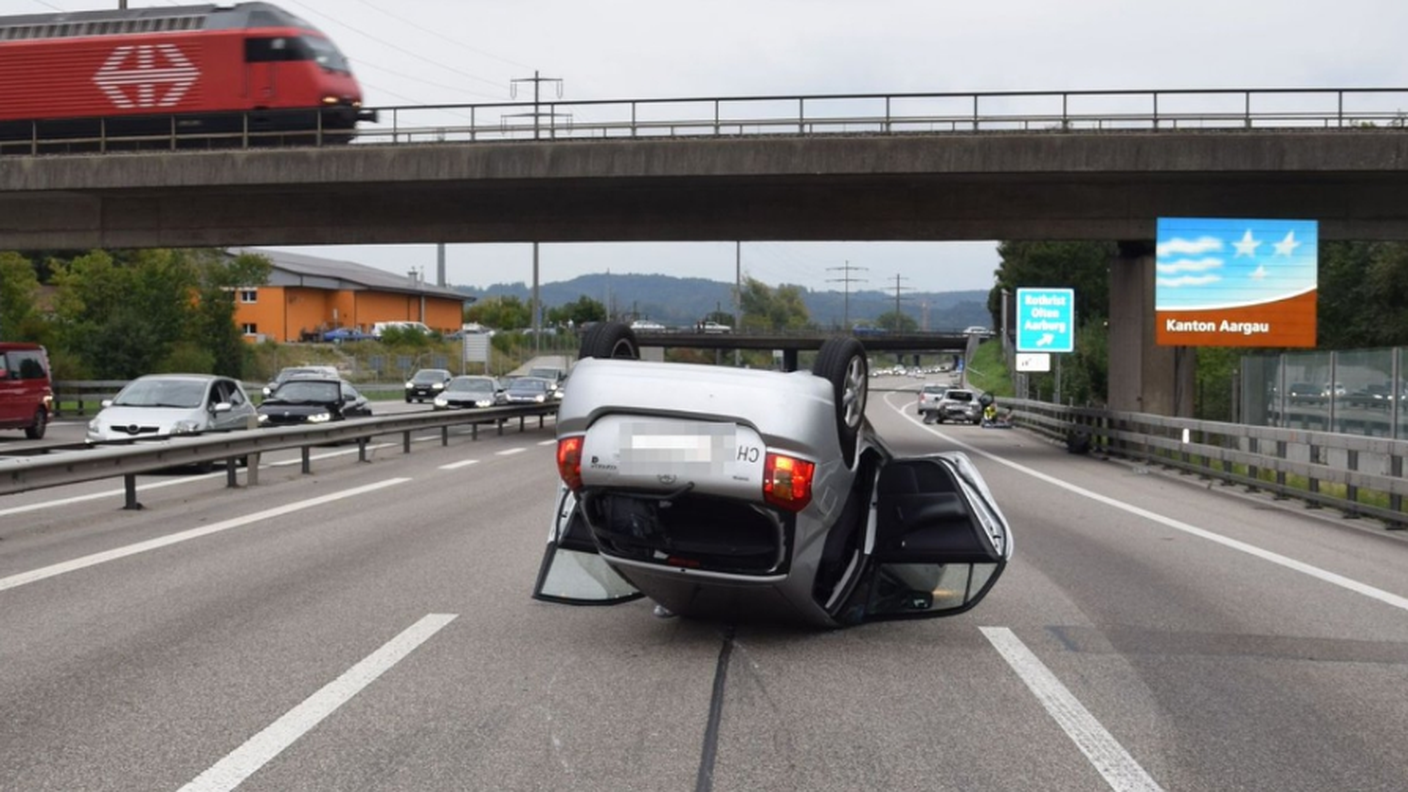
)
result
[(258, 750), (458, 465), (24, 578), (510, 451), (548, 442), (172, 483), (1105, 753), (1386, 597), (328, 455)]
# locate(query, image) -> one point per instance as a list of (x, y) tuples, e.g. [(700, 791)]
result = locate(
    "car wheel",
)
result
[(35, 431), (842, 362), (610, 340)]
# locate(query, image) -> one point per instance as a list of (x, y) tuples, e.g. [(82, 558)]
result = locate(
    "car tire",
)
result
[(35, 431), (843, 363), (610, 340)]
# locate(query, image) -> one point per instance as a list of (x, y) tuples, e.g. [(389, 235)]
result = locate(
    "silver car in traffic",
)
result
[(166, 405)]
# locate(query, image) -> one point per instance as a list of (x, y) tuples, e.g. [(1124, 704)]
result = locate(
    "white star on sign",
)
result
[(1288, 245), (1248, 246)]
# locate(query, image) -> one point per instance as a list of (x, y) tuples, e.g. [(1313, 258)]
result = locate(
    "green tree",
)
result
[(19, 314), (1084, 267), (768, 309), (897, 321), (213, 327), (501, 313), (580, 311)]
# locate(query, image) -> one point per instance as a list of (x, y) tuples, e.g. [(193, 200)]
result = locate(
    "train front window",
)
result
[(326, 54)]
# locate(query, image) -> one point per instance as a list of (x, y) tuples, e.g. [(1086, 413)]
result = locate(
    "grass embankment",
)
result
[(987, 371)]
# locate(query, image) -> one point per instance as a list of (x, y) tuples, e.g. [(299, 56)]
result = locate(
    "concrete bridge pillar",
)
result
[(1144, 377)]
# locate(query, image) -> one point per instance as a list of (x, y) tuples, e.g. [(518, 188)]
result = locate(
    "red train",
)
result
[(196, 70)]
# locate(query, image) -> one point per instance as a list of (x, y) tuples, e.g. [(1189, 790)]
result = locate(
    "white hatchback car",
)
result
[(734, 493), (165, 405)]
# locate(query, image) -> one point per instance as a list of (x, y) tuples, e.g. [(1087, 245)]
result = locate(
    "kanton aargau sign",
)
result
[(1235, 283)]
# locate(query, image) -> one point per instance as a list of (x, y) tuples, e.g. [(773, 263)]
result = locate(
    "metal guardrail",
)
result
[(127, 460), (821, 114), (1360, 476)]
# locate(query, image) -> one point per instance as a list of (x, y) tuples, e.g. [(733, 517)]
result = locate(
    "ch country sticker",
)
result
[(146, 75)]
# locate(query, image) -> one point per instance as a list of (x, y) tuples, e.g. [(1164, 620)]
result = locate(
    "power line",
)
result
[(443, 37), (51, 5), (898, 287), (847, 280), (385, 43)]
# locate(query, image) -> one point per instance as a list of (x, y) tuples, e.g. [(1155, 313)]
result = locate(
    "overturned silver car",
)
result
[(734, 494)]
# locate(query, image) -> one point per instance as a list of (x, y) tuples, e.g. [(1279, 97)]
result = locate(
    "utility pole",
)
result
[(898, 287), (537, 115), (737, 298), (535, 311), (846, 280)]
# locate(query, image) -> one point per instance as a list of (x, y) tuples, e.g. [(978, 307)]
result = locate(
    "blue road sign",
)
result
[(1046, 320)]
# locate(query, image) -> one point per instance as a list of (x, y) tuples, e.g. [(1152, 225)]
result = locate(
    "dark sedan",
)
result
[(310, 401), (427, 384)]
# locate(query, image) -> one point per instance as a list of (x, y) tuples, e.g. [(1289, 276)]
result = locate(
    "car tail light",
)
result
[(787, 482), (569, 461)]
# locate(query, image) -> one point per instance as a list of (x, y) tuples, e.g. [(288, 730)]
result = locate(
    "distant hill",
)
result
[(682, 301)]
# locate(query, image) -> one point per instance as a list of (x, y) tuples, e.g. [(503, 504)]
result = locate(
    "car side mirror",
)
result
[(222, 407)]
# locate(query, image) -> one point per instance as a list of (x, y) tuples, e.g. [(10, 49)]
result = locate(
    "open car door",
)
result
[(939, 541), (572, 571)]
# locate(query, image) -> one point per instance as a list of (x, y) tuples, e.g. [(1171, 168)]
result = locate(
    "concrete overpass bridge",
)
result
[(1064, 166)]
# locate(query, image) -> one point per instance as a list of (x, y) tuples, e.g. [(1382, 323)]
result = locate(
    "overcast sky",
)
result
[(466, 51)]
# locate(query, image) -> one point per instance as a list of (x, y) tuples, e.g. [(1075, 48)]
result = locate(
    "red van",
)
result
[(26, 395)]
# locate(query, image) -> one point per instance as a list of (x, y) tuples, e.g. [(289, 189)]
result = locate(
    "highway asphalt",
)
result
[(369, 627)]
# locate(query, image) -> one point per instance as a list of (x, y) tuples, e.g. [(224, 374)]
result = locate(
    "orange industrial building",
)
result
[(307, 296)]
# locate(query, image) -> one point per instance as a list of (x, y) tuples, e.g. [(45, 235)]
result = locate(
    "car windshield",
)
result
[(532, 385), (934, 389), (319, 391), (162, 393), (429, 376), (471, 385), (286, 374), (546, 373)]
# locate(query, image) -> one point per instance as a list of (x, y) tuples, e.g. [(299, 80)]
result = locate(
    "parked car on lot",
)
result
[(164, 405), (532, 390), (427, 384), (312, 399), (729, 493), (342, 334), (715, 328), (289, 372), (470, 391), (26, 392), (647, 326), (959, 404), (929, 396)]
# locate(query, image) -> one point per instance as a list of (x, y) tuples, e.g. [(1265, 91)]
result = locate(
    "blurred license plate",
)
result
[(682, 448)]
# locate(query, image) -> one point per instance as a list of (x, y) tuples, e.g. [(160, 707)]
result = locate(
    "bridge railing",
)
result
[(733, 116), (1360, 476)]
